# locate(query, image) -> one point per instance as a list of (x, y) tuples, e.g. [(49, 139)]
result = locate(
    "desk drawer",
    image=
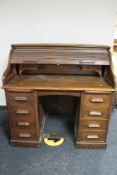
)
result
[(23, 123), (92, 136), (97, 100), (21, 112), (20, 98), (93, 124), (22, 134), (95, 113)]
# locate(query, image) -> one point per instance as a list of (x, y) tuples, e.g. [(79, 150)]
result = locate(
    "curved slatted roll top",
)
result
[(60, 54)]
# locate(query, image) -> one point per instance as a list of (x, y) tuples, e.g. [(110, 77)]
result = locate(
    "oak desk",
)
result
[(81, 71)]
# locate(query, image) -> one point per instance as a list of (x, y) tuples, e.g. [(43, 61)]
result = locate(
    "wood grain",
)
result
[(56, 82)]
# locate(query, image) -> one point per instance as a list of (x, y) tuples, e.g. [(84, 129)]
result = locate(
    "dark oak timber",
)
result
[(59, 78)]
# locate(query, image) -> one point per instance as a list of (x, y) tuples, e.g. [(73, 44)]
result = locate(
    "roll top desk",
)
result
[(36, 71)]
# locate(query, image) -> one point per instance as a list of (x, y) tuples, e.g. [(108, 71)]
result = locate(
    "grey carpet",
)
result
[(63, 160)]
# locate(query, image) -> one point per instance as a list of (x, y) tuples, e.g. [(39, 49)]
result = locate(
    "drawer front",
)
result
[(23, 123), (20, 98), (97, 100), (22, 134), (92, 136), (92, 124), (21, 112), (95, 114)]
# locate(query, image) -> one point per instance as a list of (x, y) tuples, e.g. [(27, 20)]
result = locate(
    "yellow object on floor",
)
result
[(53, 141)]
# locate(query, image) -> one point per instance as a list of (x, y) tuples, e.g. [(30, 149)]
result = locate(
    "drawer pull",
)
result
[(92, 137), (21, 98), (97, 100), (96, 113), (93, 125), (87, 62), (23, 124), (24, 135), (22, 112)]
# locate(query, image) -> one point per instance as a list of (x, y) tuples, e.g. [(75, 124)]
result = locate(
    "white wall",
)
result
[(54, 21), (115, 36)]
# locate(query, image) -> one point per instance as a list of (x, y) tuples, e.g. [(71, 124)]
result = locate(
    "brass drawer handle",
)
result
[(23, 124), (21, 98), (96, 113), (22, 112), (97, 100), (92, 136), (24, 135), (93, 125)]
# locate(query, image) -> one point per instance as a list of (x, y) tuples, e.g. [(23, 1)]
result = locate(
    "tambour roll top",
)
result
[(59, 59), (60, 54)]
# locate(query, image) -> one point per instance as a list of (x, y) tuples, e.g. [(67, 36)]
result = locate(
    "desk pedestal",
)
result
[(26, 116)]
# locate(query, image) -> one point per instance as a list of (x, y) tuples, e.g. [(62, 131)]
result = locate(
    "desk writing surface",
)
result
[(59, 82)]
